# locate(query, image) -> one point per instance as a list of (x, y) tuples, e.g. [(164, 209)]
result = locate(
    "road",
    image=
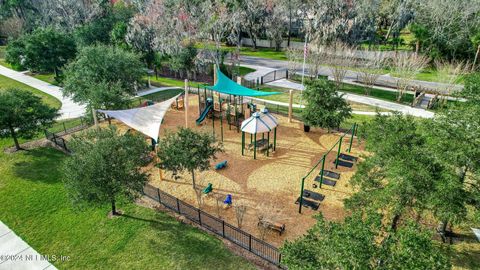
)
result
[(351, 75)]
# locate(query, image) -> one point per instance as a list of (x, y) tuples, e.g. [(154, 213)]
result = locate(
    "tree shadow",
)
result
[(40, 165)]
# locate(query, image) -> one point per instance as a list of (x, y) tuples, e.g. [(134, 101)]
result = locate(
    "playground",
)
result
[(278, 160)]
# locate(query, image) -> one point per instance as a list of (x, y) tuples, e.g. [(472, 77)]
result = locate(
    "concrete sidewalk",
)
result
[(155, 90), (16, 254), (69, 108), (405, 109)]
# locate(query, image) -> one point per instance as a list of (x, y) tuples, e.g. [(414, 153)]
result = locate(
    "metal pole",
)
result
[(255, 147), (243, 143), (321, 172), (275, 139), (338, 153), (221, 119), (305, 48), (185, 103), (268, 143), (351, 139), (301, 196)]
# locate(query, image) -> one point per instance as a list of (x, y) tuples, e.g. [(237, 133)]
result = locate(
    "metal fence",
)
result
[(59, 141), (55, 135), (216, 225), (274, 75)]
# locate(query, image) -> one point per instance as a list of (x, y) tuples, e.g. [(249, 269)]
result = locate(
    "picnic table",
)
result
[(262, 144)]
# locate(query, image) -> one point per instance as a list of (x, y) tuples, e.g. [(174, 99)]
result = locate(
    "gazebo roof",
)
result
[(226, 86), (259, 123)]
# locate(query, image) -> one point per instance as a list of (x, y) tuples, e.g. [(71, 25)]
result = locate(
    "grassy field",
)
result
[(35, 205), (46, 77), (9, 83)]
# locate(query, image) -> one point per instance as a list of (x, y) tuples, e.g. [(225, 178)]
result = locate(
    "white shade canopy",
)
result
[(259, 123), (146, 120)]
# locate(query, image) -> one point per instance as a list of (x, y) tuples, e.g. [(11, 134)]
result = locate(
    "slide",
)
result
[(203, 115)]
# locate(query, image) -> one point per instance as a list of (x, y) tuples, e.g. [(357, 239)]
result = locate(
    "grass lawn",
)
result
[(156, 97), (35, 206), (9, 83), (2, 57), (46, 77)]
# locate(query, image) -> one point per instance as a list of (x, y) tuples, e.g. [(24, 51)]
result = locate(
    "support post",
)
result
[(215, 73), (321, 171), (275, 139), (243, 143), (255, 146), (239, 80), (268, 143), (186, 103), (221, 120), (338, 152), (95, 120), (301, 196), (290, 106), (351, 138)]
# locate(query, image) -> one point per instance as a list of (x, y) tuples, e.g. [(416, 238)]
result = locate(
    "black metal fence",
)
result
[(215, 225), (55, 135), (274, 75), (59, 141)]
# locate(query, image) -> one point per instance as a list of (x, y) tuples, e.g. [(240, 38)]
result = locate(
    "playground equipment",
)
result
[(228, 200), (332, 176), (179, 103), (208, 189), (204, 113), (228, 101), (221, 165), (260, 123)]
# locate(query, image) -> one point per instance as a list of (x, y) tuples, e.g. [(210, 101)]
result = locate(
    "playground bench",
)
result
[(275, 226)]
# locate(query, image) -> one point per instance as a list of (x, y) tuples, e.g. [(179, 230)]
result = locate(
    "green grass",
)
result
[(6, 83), (2, 57), (35, 205), (245, 70), (46, 77), (163, 81), (157, 97)]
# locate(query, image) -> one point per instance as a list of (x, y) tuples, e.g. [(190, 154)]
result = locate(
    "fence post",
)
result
[(223, 228), (158, 192), (274, 75), (250, 242), (65, 145), (64, 128), (199, 216), (178, 206)]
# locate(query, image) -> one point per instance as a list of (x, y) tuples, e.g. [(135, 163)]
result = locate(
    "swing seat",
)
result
[(221, 165)]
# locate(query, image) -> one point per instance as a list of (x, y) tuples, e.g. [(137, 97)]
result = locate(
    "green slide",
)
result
[(203, 115)]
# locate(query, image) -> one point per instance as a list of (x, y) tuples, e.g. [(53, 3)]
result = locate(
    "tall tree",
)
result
[(23, 115), (360, 243), (104, 167), (103, 77), (187, 150), (325, 108)]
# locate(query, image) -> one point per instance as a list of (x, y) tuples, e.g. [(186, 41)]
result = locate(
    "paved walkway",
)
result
[(16, 254), (69, 108), (259, 72), (418, 112), (155, 90)]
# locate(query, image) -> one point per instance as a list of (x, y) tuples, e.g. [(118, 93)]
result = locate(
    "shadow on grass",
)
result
[(41, 164)]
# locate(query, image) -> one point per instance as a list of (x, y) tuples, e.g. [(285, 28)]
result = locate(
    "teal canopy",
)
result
[(226, 86)]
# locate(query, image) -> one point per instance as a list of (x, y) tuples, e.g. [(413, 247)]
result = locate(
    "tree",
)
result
[(359, 243), (253, 18), (403, 177), (103, 77), (340, 57), (275, 25), (23, 115), (406, 67), (187, 150), (420, 32), (325, 108), (105, 166), (44, 50), (370, 69)]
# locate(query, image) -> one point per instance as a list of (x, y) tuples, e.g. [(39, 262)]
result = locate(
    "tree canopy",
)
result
[(187, 150), (325, 108), (23, 115), (103, 77), (105, 166)]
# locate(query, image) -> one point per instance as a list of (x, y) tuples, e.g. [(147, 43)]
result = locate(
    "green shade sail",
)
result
[(226, 86)]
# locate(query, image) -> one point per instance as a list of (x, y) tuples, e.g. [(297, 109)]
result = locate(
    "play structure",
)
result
[(312, 199), (226, 100)]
